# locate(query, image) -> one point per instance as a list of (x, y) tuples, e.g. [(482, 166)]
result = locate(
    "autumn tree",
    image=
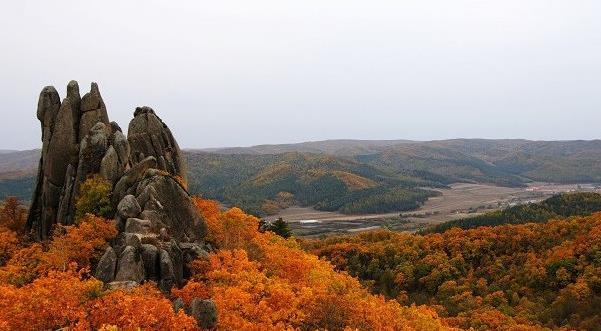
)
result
[(94, 198), (13, 215), (279, 227)]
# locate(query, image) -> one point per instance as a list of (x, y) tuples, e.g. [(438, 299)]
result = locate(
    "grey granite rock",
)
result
[(105, 271), (131, 266), (128, 207)]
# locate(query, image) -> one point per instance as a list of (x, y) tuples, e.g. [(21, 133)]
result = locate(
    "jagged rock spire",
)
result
[(155, 213), (92, 111), (40, 216), (64, 126), (149, 136), (160, 229)]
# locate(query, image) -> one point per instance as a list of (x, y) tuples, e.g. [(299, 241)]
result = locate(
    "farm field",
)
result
[(461, 200)]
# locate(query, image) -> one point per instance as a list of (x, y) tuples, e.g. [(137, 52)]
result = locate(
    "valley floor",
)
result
[(461, 200)]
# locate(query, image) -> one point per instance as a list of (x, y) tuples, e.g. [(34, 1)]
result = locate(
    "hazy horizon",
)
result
[(192, 148), (236, 73)]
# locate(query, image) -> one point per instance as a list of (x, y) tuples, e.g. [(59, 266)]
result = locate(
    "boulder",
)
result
[(115, 127), (150, 256), (131, 266), (125, 239), (105, 271), (41, 215), (148, 192), (75, 101), (128, 207), (49, 104), (110, 168), (61, 146), (155, 219), (131, 177), (178, 304), (177, 260), (174, 209), (167, 279), (205, 313), (121, 146), (91, 152), (136, 225)]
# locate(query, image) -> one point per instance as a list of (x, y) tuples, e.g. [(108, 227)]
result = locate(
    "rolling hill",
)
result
[(263, 184), (507, 162), (346, 175), (17, 170)]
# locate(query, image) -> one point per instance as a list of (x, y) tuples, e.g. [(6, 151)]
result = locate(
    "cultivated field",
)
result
[(461, 200)]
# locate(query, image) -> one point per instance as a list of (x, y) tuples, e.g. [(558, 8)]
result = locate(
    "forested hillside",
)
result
[(501, 161), (505, 162), (489, 278), (556, 207), (17, 170), (354, 176), (263, 184)]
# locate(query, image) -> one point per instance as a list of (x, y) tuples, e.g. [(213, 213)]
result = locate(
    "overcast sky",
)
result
[(239, 73)]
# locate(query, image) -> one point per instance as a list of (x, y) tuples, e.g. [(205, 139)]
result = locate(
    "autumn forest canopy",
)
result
[(507, 277)]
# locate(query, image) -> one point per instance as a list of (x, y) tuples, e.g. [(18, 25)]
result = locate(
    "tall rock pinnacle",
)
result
[(160, 227), (149, 136)]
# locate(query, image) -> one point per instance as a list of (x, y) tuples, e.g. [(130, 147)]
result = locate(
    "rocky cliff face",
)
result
[(160, 229)]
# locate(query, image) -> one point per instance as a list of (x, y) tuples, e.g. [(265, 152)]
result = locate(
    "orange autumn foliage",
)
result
[(230, 229), (79, 244), (48, 303), (71, 299), (144, 307), (260, 281), (47, 286), (526, 276), (13, 215), (9, 242)]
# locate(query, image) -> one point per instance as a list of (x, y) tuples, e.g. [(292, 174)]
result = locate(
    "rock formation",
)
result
[(149, 136), (160, 230)]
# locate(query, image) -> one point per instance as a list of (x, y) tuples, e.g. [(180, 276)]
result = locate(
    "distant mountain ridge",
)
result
[(335, 147), (350, 146), (231, 174), (21, 161), (508, 162)]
